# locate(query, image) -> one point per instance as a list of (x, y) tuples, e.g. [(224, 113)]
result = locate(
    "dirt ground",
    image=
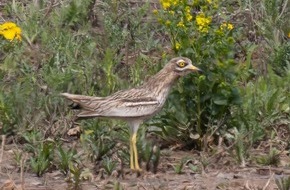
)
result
[(220, 173)]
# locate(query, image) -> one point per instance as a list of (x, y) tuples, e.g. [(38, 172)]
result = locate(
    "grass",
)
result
[(96, 48), (283, 183)]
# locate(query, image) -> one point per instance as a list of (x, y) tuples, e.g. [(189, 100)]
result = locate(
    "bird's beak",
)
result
[(193, 68)]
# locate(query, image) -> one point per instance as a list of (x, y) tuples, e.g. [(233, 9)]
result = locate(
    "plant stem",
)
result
[(2, 149), (198, 113)]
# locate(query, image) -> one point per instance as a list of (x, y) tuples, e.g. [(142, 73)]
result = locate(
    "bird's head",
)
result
[(183, 66)]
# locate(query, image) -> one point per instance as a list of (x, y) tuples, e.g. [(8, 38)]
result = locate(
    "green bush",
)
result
[(270, 29), (200, 104), (265, 107), (281, 59), (42, 158)]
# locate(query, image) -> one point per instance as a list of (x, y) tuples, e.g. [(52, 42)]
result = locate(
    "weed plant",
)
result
[(213, 103), (283, 183), (66, 158), (265, 106), (65, 49), (198, 30)]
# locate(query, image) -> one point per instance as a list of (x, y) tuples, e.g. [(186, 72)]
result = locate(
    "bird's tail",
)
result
[(83, 103), (75, 97)]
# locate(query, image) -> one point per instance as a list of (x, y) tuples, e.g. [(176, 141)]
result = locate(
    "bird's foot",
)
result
[(136, 169)]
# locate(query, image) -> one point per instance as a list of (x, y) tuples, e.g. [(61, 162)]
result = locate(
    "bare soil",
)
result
[(221, 172)]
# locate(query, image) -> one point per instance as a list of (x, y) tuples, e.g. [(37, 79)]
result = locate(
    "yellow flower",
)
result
[(187, 9), (155, 11), (226, 26), (177, 45), (288, 34), (202, 22), (188, 15), (230, 26), (10, 31), (165, 4), (175, 2), (167, 22), (223, 26), (181, 24)]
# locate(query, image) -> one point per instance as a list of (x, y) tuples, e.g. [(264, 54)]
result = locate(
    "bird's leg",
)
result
[(131, 153), (134, 139), (134, 125)]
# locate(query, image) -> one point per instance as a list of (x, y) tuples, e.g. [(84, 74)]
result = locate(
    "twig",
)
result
[(2, 150), (48, 11), (283, 9), (22, 162), (268, 182)]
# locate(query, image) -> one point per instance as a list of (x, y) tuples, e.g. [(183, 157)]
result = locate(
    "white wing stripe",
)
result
[(133, 104)]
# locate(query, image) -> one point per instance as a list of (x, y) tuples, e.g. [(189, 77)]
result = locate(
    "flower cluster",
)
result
[(202, 22), (10, 31), (166, 4), (226, 26), (178, 10), (188, 15), (185, 24)]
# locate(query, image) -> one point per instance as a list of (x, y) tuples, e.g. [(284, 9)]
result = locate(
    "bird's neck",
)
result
[(161, 83)]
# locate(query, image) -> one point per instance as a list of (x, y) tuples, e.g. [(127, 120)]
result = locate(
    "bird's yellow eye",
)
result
[(181, 64)]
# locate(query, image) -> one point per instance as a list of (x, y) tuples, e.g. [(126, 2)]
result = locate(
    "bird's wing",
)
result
[(131, 107), (118, 105), (121, 108)]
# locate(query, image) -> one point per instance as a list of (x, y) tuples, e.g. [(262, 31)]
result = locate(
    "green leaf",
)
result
[(221, 102)]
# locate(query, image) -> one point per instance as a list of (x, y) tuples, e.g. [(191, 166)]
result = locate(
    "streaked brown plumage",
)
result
[(136, 104)]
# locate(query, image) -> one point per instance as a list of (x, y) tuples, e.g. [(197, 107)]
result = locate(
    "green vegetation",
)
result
[(283, 183), (201, 104), (95, 49), (271, 159), (66, 158), (178, 168)]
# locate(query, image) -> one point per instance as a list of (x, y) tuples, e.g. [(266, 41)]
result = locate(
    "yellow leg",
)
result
[(134, 125), (134, 139), (131, 154)]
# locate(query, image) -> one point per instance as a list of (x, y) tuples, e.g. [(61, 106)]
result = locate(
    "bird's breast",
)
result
[(162, 96)]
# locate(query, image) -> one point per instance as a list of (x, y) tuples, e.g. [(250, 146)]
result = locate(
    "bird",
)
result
[(137, 104)]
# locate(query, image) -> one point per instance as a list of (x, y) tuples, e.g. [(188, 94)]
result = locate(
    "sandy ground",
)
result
[(219, 174)]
